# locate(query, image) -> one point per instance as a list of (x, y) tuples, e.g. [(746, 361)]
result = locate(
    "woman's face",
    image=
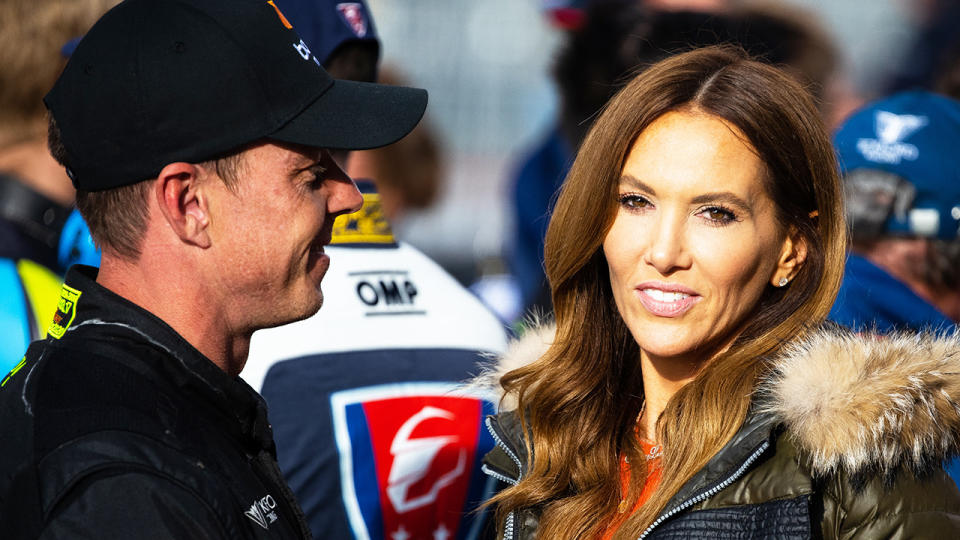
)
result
[(695, 241)]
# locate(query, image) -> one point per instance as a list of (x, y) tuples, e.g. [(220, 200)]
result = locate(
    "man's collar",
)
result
[(87, 309)]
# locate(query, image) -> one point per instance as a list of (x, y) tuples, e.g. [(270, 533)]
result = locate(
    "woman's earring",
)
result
[(783, 282)]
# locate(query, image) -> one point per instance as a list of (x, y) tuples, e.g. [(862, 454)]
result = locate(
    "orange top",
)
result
[(654, 471)]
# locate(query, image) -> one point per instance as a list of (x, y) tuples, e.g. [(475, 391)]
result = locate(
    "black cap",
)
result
[(159, 81)]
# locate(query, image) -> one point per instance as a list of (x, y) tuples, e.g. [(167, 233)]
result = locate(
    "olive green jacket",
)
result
[(845, 440)]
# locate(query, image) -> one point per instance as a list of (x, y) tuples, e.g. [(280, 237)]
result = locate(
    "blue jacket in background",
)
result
[(870, 299), (537, 181)]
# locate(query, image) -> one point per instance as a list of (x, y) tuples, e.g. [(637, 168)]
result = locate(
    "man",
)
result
[(372, 434), (196, 133), (902, 187), (35, 193)]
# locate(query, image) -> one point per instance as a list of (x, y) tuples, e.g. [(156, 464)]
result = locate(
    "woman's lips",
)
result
[(666, 299)]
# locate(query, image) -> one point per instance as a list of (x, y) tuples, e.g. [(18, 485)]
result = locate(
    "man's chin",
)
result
[(303, 310), (311, 308)]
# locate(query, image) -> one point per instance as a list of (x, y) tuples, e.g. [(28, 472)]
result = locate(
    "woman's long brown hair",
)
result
[(582, 398)]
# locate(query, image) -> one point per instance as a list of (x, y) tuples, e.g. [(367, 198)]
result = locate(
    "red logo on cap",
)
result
[(279, 14), (352, 13)]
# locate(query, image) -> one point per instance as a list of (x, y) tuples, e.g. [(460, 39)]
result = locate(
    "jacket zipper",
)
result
[(501, 477), (508, 527), (709, 493), (503, 445)]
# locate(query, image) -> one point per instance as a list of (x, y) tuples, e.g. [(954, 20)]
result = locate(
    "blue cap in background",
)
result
[(76, 244), (325, 25), (900, 160)]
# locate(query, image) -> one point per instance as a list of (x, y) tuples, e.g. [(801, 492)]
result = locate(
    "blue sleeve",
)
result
[(14, 317)]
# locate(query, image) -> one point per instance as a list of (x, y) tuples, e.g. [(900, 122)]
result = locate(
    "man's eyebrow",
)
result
[(308, 165), (303, 157)]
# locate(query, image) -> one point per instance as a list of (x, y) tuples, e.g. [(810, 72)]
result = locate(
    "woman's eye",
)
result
[(633, 202), (718, 214)]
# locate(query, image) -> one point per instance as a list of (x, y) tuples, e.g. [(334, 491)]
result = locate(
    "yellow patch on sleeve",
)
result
[(66, 311)]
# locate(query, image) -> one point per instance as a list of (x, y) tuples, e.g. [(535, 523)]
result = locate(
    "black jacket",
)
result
[(121, 429)]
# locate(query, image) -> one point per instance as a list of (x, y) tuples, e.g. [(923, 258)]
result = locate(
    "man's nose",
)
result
[(345, 198)]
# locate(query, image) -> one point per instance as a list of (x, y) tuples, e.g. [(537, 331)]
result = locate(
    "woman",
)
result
[(690, 389)]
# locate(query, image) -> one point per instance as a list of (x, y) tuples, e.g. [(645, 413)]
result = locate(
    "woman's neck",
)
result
[(662, 378)]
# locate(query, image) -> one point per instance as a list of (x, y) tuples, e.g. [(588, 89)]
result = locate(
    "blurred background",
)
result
[(488, 68)]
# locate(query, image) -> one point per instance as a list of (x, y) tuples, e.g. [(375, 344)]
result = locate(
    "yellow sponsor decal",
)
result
[(66, 311), (13, 371), (366, 226)]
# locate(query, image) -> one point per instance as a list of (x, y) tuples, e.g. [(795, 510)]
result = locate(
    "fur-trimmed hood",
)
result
[(848, 401)]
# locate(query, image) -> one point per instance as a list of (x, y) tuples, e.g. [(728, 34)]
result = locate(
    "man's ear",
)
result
[(793, 253), (183, 204)]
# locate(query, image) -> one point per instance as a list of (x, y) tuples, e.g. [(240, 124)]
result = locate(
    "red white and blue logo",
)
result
[(410, 460), (353, 15)]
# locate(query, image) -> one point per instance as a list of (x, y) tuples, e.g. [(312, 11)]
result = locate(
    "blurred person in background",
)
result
[(36, 196), (948, 76), (615, 38), (690, 388), (936, 44), (409, 173), (373, 434), (901, 175)]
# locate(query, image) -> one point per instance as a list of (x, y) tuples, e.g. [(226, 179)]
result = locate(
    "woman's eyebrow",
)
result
[(724, 197), (635, 182), (721, 197)]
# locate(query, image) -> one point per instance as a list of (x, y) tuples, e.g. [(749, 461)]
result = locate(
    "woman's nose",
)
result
[(667, 251)]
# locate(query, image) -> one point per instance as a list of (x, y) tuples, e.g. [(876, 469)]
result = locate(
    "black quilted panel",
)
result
[(782, 520)]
